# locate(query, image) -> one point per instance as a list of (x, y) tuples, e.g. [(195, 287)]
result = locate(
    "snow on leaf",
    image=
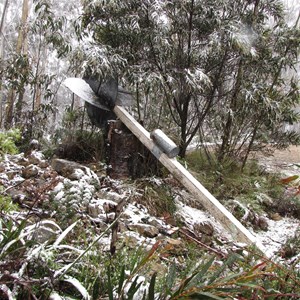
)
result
[(80, 288), (64, 234), (7, 291)]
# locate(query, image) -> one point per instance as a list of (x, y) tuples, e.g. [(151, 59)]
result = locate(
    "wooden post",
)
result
[(230, 223)]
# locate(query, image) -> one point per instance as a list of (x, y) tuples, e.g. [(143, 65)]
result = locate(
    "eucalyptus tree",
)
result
[(210, 65), (160, 50), (256, 96), (22, 53), (27, 69)]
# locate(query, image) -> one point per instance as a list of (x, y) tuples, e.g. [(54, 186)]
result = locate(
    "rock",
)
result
[(17, 196), (94, 210), (275, 216), (152, 221), (174, 242), (205, 228), (23, 162), (68, 169), (11, 174), (101, 206), (206, 239), (44, 231), (43, 164), (109, 206), (113, 196), (144, 230), (30, 171), (2, 168), (132, 241), (35, 158), (262, 223), (265, 199), (175, 247)]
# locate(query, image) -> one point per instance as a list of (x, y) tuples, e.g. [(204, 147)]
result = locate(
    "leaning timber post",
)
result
[(210, 203)]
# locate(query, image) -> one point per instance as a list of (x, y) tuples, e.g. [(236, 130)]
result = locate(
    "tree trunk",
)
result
[(226, 146), (3, 97), (22, 47), (127, 157), (2, 27)]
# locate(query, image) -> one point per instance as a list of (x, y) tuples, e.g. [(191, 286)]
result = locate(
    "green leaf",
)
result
[(199, 275), (80, 288), (251, 285), (231, 259), (133, 288), (96, 287), (204, 296), (151, 292), (109, 285), (289, 179), (171, 276), (64, 234), (121, 280)]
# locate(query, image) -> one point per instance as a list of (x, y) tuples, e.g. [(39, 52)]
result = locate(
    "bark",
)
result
[(126, 155), (227, 133), (3, 97), (22, 47), (40, 68), (3, 20)]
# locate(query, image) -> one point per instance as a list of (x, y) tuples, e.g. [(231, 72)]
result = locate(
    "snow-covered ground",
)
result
[(83, 193)]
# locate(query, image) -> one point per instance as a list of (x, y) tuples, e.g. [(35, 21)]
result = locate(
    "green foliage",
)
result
[(10, 238), (6, 204), (219, 67), (291, 248), (228, 180), (83, 271), (52, 27), (8, 141), (157, 197), (77, 139), (289, 202), (210, 280)]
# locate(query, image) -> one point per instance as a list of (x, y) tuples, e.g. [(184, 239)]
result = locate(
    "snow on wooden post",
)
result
[(237, 230), (164, 143)]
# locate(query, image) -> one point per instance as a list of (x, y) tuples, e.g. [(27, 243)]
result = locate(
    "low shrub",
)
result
[(8, 141)]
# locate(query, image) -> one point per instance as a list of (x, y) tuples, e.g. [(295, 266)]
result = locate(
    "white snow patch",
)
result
[(58, 187), (104, 242), (78, 173), (142, 289), (55, 296), (38, 154), (135, 214), (194, 216), (140, 240), (278, 233), (114, 196), (103, 202), (59, 196)]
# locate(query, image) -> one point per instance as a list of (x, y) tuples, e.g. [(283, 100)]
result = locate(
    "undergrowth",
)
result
[(157, 197), (8, 141), (228, 180), (73, 262), (57, 268)]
